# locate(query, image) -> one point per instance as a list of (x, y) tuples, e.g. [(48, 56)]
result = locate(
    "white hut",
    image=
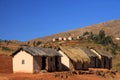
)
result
[(54, 39), (64, 38), (78, 37), (32, 60), (70, 38), (60, 38), (118, 38)]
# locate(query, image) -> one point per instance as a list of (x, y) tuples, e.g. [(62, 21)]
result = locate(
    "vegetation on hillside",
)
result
[(36, 43), (104, 40), (8, 46)]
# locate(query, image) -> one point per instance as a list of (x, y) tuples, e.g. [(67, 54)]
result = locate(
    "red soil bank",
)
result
[(5, 64)]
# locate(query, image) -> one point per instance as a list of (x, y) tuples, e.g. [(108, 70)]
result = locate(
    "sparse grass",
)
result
[(118, 65), (6, 49)]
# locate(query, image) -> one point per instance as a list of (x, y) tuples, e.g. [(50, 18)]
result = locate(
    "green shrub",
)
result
[(38, 43), (100, 73), (35, 44), (6, 49)]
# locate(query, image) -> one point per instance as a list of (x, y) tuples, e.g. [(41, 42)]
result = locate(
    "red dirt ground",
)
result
[(46, 76), (5, 64), (51, 76), (6, 74)]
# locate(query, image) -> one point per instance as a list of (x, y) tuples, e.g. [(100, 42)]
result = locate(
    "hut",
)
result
[(94, 59), (64, 38), (73, 58), (33, 60), (104, 57), (117, 38), (55, 39), (70, 38), (79, 37), (60, 38)]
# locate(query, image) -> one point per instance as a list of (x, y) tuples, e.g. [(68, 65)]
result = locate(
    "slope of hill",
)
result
[(111, 28), (8, 46)]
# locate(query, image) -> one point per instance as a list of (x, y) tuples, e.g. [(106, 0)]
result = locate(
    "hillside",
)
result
[(111, 28), (8, 46)]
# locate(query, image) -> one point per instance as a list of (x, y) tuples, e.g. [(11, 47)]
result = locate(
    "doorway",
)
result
[(57, 63), (43, 63)]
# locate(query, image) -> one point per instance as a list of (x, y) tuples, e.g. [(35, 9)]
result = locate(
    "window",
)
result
[(23, 61)]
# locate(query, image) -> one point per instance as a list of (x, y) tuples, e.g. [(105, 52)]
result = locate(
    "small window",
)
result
[(23, 61)]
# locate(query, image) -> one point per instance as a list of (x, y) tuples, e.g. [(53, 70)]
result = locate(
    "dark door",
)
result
[(43, 63), (57, 62)]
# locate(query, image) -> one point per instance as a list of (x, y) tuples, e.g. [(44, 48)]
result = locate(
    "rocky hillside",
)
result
[(111, 28)]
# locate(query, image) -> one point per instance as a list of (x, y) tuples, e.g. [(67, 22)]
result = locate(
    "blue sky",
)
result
[(28, 19)]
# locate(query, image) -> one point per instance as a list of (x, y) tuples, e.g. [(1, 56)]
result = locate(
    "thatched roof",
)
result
[(75, 54), (35, 51)]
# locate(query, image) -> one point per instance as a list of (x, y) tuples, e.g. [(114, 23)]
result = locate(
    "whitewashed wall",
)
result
[(27, 67), (64, 59)]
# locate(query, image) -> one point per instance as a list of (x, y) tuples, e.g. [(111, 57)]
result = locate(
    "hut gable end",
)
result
[(22, 62)]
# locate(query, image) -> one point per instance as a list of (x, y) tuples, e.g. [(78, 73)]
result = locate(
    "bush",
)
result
[(85, 33), (38, 43), (100, 73), (6, 49), (35, 44)]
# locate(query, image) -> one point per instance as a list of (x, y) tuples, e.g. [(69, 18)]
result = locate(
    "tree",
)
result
[(38, 43), (91, 36), (35, 44), (101, 37), (108, 40), (85, 33), (101, 34)]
